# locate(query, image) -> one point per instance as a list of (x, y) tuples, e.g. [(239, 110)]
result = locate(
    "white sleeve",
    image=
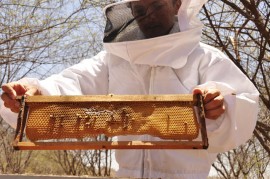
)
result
[(88, 77), (238, 122)]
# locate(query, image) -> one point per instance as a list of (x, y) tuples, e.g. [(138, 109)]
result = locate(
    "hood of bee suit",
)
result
[(124, 38)]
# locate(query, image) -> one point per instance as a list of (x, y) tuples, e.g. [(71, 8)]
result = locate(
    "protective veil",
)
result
[(123, 26), (139, 59)]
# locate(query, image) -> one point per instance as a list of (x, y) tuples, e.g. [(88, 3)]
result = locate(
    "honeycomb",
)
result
[(77, 120)]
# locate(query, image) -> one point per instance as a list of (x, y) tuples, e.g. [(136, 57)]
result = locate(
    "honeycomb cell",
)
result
[(172, 120)]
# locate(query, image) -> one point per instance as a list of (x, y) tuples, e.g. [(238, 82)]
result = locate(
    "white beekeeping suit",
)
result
[(171, 64)]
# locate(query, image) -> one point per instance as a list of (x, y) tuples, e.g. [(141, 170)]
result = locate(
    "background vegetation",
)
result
[(41, 37)]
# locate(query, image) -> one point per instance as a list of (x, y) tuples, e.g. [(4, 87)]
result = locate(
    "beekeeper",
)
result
[(153, 47)]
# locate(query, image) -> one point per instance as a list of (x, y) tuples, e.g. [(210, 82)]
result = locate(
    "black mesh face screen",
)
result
[(119, 21), (138, 20)]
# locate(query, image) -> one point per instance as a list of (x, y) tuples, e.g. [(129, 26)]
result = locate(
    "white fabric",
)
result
[(159, 50), (206, 66), (188, 12), (165, 65), (189, 25)]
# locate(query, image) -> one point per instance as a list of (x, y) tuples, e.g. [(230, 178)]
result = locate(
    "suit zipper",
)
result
[(151, 91), (152, 78)]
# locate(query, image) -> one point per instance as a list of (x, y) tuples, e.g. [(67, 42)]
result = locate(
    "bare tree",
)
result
[(85, 162), (36, 35), (240, 28), (38, 38), (11, 161)]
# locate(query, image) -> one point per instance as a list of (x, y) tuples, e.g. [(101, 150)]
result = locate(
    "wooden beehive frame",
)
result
[(129, 112)]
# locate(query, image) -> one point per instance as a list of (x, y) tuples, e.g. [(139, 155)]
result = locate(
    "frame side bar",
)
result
[(19, 132), (202, 121)]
